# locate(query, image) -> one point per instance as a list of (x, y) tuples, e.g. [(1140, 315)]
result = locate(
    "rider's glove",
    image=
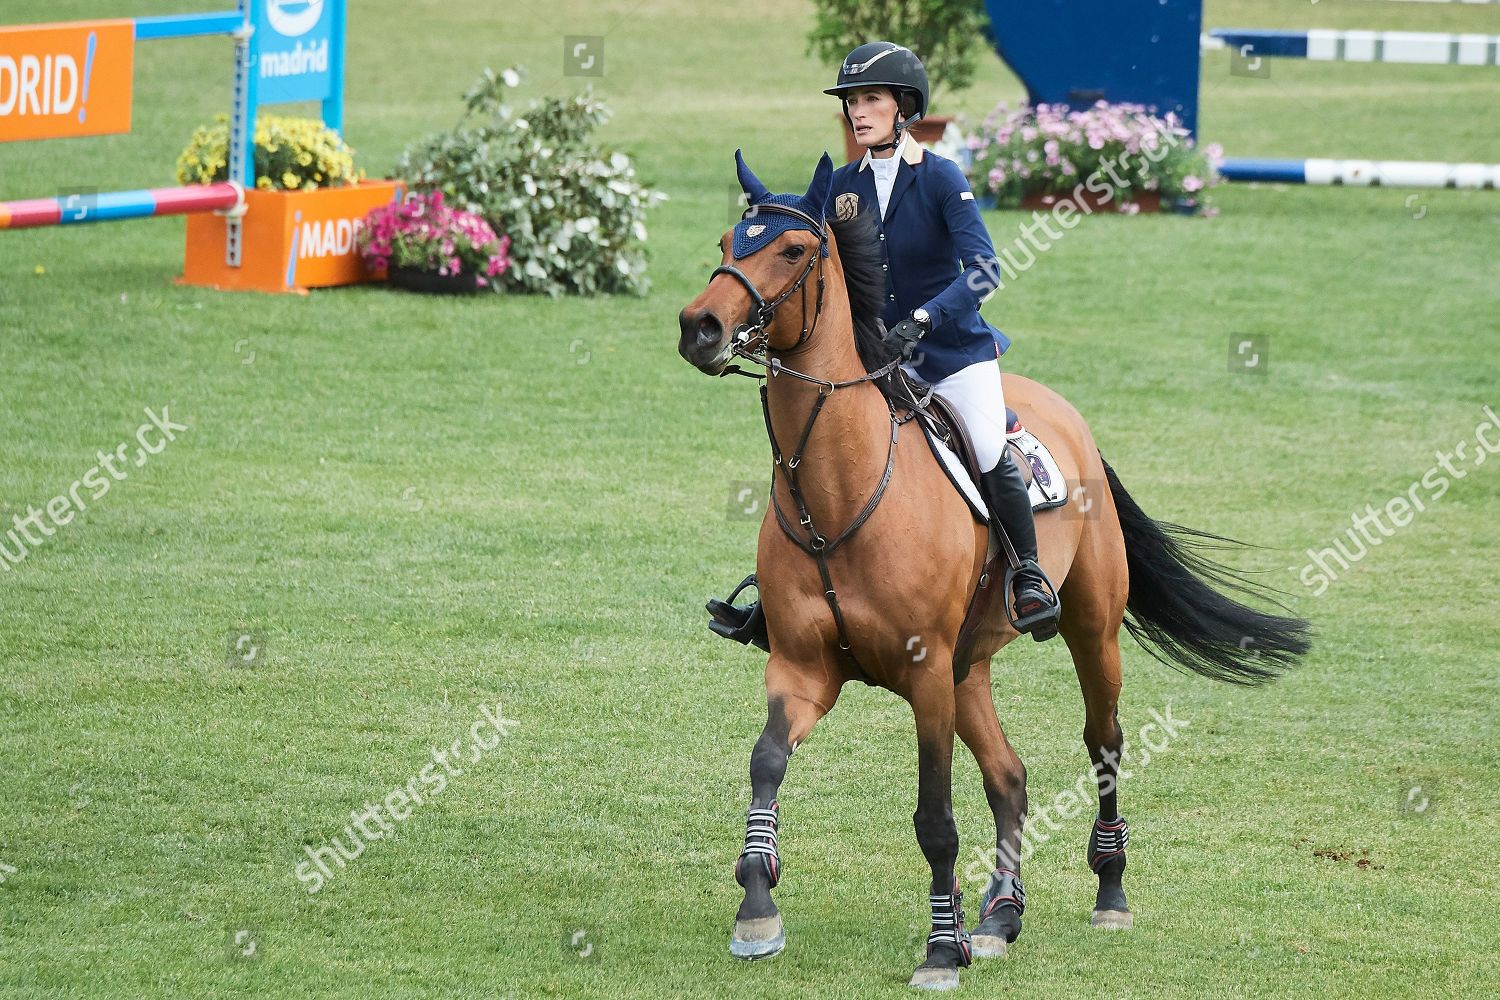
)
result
[(902, 338)]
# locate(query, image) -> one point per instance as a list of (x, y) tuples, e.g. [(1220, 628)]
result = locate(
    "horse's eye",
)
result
[(792, 253)]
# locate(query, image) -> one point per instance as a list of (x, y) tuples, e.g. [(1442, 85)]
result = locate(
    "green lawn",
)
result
[(417, 507)]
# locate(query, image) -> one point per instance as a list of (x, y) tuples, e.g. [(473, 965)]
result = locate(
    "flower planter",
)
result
[(446, 252), (1088, 201), (414, 280), (292, 240), (927, 131)]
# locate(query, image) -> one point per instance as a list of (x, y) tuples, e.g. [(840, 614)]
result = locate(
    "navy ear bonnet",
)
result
[(757, 229)]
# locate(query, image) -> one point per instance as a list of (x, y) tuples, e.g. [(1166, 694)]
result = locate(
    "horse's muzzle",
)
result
[(703, 344)]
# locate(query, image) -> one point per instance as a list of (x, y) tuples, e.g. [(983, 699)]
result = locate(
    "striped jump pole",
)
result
[(66, 210), (70, 79), (1328, 45), (1365, 173)]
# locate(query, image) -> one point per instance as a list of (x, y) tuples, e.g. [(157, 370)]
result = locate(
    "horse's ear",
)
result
[(821, 186), (753, 188)]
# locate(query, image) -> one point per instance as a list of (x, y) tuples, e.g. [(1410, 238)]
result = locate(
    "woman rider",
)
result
[(935, 243)]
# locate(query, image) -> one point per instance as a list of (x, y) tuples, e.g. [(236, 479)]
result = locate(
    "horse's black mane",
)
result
[(859, 250)]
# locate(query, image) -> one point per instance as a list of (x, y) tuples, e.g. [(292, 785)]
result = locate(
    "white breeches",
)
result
[(978, 396)]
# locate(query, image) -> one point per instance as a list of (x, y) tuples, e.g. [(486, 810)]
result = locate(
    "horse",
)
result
[(885, 555)]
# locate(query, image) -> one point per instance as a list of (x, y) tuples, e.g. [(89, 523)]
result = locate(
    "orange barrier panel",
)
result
[(293, 240), (61, 80)]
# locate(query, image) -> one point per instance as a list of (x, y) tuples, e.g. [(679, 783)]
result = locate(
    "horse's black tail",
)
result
[(1180, 619)]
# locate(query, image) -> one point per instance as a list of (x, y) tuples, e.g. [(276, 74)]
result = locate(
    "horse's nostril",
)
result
[(710, 330)]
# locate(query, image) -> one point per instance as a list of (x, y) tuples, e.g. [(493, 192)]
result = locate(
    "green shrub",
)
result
[(945, 34), (576, 216)]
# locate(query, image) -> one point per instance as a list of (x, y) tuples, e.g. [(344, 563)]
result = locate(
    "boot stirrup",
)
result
[(745, 624), (1041, 624)]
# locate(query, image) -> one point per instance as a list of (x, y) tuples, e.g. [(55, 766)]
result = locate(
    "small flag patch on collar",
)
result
[(966, 196)]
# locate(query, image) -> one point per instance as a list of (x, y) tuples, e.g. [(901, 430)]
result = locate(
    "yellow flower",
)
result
[(300, 146)]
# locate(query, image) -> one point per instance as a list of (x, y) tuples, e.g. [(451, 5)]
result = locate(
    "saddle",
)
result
[(942, 423)]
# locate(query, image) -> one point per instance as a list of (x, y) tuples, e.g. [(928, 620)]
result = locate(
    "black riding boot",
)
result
[(1036, 607), (745, 623)]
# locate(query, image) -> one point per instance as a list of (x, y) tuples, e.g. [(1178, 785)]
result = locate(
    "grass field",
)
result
[(419, 507)]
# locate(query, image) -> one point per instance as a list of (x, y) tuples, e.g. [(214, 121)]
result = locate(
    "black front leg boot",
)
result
[(744, 623), (1036, 607)]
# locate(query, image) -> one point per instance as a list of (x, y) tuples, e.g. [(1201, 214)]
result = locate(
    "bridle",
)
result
[(763, 311), (752, 343)]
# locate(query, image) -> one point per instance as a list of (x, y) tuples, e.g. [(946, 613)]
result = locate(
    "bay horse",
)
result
[(886, 553)]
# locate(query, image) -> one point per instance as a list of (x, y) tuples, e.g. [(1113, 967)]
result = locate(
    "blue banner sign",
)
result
[(297, 46)]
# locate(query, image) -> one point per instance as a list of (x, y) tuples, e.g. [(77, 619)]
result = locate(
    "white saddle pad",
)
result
[(1048, 488)]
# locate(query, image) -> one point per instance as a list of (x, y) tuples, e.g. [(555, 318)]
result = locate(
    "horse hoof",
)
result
[(934, 979), (989, 946), (759, 938), (1113, 920)]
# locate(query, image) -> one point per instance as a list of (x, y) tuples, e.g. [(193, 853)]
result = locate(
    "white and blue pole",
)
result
[(1365, 173)]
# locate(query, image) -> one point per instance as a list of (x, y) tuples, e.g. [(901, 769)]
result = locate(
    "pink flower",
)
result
[(1192, 182)]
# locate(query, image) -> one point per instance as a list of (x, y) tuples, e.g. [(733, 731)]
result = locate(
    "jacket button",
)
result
[(882, 236), (885, 267), (893, 298)]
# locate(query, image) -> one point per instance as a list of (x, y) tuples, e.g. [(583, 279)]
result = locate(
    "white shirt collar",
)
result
[(909, 150)]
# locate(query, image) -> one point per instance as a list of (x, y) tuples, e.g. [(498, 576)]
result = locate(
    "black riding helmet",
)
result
[(885, 64)]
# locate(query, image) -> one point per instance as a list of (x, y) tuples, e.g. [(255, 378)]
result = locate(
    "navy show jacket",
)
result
[(933, 241)]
